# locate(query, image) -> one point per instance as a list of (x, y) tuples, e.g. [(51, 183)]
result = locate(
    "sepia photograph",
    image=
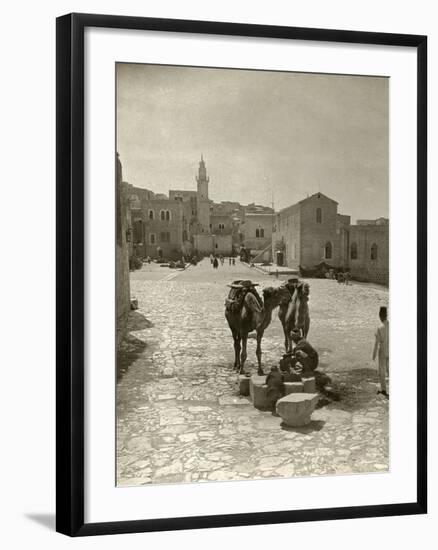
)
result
[(252, 274)]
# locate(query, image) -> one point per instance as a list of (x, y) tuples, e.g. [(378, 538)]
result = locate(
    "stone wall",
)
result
[(364, 267), (287, 236), (203, 244), (123, 302), (223, 244)]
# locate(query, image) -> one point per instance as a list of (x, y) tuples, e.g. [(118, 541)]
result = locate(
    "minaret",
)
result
[(203, 206), (202, 180)]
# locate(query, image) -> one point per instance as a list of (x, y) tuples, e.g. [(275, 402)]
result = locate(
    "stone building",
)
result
[(369, 252), (312, 231), (123, 299), (164, 229), (257, 234)]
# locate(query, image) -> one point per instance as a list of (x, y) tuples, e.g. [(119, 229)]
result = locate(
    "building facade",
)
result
[(188, 222), (312, 232), (123, 297), (257, 234)]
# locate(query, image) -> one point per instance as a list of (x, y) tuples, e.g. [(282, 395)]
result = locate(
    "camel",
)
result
[(252, 315), (294, 313)]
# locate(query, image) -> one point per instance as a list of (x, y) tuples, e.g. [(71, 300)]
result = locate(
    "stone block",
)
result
[(260, 396), (243, 385), (255, 380), (293, 387), (296, 408), (309, 384)]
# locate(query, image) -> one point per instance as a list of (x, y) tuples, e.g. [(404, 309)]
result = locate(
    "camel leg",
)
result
[(243, 354), (236, 338), (286, 338), (306, 327), (259, 353)]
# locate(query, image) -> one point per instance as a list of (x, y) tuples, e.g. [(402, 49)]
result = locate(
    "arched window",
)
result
[(151, 214), (162, 215), (262, 233), (318, 215), (328, 250), (167, 215), (353, 251), (374, 251), (257, 233)]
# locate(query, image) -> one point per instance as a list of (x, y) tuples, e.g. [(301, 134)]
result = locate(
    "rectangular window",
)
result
[(152, 238)]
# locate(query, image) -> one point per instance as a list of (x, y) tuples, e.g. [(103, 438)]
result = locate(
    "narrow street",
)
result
[(180, 417)]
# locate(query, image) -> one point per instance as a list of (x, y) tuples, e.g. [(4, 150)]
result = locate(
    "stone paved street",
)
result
[(179, 414)]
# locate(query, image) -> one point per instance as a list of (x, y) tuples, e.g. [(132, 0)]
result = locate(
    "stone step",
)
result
[(309, 384), (243, 384), (293, 387)]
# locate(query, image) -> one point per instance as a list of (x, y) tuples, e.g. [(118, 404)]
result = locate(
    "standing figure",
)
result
[(211, 259), (381, 349), (215, 263)]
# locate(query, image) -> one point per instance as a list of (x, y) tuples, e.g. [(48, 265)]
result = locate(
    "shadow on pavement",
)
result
[(314, 426), (130, 350), (137, 321), (132, 347)]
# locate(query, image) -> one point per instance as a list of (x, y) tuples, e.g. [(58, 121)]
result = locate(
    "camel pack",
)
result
[(236, 296)]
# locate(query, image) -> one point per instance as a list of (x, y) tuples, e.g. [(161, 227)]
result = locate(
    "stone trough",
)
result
[(258, 391), (295, 411), (296, 408)]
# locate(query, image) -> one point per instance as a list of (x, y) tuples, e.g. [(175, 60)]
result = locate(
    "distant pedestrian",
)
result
[(221, 259), (381, 349), (229, 260), (234, 261), (211, 259), (215, 263)]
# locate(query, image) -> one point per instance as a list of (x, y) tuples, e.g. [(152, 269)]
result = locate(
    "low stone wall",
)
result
[(370, 275)]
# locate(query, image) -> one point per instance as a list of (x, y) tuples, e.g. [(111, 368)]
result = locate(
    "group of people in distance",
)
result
[(214, 260)]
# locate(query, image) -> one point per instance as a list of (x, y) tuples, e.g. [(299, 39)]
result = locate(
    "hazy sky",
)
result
[(290, 134)]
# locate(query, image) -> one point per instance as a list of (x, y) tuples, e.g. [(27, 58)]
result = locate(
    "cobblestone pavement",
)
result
[(179, 416)]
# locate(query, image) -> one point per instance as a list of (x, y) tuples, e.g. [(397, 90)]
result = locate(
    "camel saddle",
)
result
[(238, 291)]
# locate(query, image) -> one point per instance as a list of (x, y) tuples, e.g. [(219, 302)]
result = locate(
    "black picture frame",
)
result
[(70, 273)]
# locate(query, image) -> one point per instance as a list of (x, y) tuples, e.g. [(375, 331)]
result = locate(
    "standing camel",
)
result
[(294, 313), (252, 315)]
